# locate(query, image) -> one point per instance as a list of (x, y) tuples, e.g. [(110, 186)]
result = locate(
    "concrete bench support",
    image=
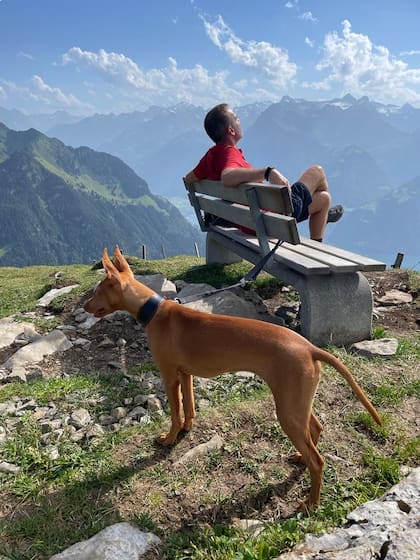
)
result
[(217, 252), (335, 308)]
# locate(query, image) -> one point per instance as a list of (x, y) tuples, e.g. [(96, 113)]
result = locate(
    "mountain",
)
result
[(392, 226), (43, 121), (61, 205)]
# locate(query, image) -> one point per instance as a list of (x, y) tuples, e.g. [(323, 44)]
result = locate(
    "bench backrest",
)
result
[(265, 209)]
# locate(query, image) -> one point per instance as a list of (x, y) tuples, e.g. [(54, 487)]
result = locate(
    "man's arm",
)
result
[(233, 176), (190, 178)]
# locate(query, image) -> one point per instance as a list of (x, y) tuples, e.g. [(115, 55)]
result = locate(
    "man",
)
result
[(225, 162)]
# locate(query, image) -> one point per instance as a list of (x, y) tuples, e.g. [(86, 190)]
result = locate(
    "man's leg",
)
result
[(316, 182)]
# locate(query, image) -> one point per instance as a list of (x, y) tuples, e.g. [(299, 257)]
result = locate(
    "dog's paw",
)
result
[(295, 457), (165, 439), (307, 507)]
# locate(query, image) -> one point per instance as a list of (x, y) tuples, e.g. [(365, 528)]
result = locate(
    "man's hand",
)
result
[(276, 178)]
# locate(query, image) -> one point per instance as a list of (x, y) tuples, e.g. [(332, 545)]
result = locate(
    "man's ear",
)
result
[(110, 269), (120, 262)]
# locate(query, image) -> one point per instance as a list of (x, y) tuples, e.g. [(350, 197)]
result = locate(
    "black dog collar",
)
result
[(147, 312)]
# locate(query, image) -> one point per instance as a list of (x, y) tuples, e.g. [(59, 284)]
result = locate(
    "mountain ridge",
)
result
[(62, 205)]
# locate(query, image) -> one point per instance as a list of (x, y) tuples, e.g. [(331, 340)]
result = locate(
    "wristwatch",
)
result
[(267, 172)]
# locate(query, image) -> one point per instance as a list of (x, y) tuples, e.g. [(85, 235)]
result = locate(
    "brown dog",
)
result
[(185, 342)]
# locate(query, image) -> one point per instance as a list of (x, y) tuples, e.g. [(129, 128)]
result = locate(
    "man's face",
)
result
[(235, 124)]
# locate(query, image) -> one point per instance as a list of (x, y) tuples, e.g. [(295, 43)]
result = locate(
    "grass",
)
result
[(52, 503)]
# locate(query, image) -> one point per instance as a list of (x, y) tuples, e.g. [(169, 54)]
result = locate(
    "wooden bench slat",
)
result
[(283, 254), (273, 198), (280, 227), (336, 264), (363, 263)]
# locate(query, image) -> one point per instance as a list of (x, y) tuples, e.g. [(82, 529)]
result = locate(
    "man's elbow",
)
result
[(229, 180), (190, 178)]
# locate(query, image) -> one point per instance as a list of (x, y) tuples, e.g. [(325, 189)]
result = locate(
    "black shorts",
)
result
[(301, 198)]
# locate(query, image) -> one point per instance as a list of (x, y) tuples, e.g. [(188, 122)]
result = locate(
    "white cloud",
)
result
[(362, 68), (307, 16), (309, 42), (44, 97), (165, 86), (261, 57), (409, 53), (22, 54)]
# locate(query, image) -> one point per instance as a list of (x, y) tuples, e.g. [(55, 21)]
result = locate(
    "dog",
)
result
[(185, 342)]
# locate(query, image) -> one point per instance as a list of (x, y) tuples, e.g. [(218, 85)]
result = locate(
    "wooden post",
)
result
[(144, 252), (163, 251), (398, 260), (197, 250)]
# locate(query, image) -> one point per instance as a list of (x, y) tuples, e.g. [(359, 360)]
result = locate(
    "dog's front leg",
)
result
[(188, 400), (173, 392)]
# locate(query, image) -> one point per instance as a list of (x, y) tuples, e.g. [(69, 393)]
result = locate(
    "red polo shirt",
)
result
[(218, 158)]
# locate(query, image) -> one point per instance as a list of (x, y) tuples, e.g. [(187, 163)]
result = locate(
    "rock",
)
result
[(80, 418), (28, 335), (95, 430), (223, 303), (47, 298), (3, 434), (154, 406), (395, 297), (252, 526), (18, 374), (8, 468), (121, 541), (136, 413), (55, 341), (83, 342), (158, 283), (385, 528), (106, 343), (34, 372), (383, 347), (53, 452), (245, 376), (214, 444), (10, 329), (118, 413), (115, 365)]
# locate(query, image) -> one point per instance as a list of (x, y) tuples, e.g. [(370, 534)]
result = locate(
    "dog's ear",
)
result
[(109, 267), (120, 262)]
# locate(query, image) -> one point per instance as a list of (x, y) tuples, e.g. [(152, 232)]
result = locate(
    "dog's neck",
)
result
[(148, 310)]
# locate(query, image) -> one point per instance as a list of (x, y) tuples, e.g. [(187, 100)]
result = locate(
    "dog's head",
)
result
[(108, 294)]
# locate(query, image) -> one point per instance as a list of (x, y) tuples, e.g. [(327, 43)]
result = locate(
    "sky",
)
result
[(115, 56)]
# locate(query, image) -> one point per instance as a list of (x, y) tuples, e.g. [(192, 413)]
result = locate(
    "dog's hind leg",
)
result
[(315, 428), (294, 412), (188, 400), (300, 435)]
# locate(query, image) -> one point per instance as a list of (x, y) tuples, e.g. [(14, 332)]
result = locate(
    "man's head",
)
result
[(221, 122)]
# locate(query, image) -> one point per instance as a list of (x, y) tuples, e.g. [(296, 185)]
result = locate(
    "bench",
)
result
[(336, 298)]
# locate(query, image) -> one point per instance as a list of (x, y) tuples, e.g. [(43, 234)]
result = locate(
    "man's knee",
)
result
[(315, 179), (321, 202), (319, 172)]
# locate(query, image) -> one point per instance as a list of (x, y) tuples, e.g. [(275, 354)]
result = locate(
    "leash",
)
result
[(249, 277)]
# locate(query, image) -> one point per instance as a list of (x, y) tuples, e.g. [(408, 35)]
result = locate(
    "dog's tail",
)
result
[(324, 356)]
